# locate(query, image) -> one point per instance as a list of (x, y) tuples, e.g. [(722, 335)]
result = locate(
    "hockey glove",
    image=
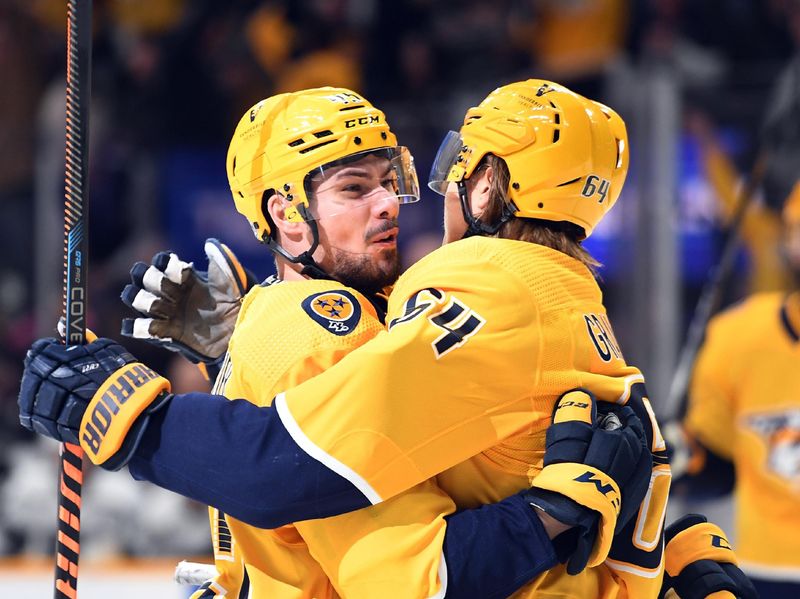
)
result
[(700, 563), (185, 310), (592, 467), (208, 590), (95, 394)]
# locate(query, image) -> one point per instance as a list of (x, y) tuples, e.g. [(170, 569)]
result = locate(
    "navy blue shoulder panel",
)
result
[(239, 458), (494, 550)]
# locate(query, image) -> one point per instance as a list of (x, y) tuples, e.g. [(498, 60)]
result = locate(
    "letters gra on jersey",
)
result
[(602, 337)]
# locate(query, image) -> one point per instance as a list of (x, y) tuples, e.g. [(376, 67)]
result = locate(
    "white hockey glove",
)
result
[(185, 310)]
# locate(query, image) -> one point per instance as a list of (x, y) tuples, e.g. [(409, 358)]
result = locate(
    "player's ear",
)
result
[(481, 189), (276, 209)]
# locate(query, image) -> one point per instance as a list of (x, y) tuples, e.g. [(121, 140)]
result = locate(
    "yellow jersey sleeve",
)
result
[(710, 413), (450, 378)]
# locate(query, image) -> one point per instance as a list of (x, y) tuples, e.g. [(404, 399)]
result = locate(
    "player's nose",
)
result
[(386, 205)]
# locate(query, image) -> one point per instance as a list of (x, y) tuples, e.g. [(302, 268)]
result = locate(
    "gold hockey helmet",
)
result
[(284, 140), (567, 155)]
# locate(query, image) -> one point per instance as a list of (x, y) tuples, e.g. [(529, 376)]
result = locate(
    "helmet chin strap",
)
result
[(475, 226), (310, 267)]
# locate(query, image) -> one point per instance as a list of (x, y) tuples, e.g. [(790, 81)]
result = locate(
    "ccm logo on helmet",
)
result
[(108, 406), (362, 120)]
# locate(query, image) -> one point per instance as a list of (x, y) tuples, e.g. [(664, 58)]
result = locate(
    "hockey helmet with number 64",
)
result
[(567, 155)]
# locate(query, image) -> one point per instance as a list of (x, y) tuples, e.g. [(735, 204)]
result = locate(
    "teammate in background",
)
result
[(743, 420), (320, 176), (484, 336)]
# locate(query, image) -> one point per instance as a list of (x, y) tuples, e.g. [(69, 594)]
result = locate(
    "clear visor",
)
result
[(362, 179), (446, 159)]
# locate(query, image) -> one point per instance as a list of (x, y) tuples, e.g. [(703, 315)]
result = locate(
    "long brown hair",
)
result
[(562, 236)]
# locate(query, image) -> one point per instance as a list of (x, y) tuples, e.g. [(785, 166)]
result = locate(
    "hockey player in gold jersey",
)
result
[(744, 418), (336, 179), (501, 322), (319, 177), (339, 227), (484, 336)]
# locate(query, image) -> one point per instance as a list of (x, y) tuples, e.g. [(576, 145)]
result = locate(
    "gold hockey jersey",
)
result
[(744, 405), (484, 334), (285, 334)]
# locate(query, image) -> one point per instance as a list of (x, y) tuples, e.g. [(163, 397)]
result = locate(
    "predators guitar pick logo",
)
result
[(780, 432), (336, 311)]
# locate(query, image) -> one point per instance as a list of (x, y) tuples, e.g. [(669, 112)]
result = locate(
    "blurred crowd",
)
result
[(172, 77)]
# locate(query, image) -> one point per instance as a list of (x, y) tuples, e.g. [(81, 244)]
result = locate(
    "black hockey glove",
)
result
[(700, 563), (96, 395), (596, 474), (185, 310)]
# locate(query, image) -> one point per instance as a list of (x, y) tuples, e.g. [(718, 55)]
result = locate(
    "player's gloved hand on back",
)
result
[(186, 310), (96, 395), (700, 563), (596, 473)]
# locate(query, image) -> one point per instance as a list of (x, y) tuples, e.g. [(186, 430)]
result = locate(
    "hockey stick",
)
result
[(76, 229)]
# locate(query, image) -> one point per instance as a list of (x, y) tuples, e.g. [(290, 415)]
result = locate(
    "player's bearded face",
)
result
[(357, 218)]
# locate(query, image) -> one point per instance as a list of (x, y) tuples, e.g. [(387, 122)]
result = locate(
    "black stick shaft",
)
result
[(76, 230), (710, 296)]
